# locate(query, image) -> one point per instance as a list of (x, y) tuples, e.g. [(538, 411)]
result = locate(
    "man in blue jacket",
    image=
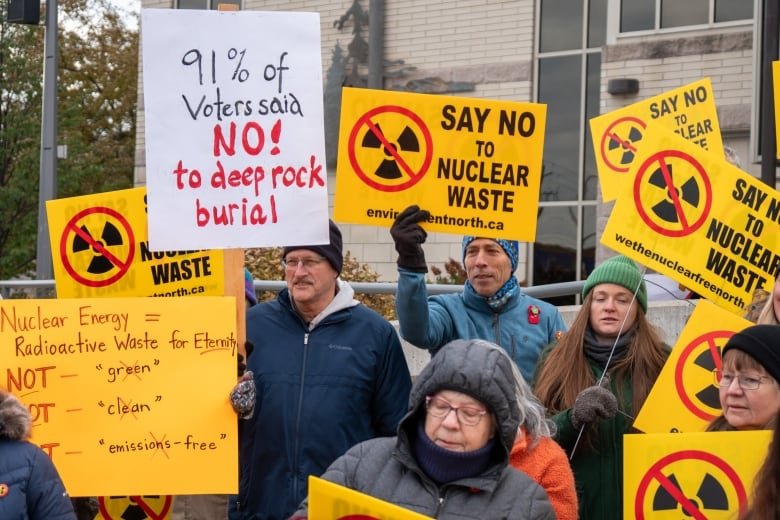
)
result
[(328, 373), (492, 305)]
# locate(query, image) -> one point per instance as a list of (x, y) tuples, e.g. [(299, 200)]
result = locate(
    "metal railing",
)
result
[(539, 291)]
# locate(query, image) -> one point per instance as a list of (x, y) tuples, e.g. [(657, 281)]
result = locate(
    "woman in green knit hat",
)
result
[(596, 378)]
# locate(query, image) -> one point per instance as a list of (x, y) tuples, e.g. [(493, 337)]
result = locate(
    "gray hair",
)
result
[(532, 412)]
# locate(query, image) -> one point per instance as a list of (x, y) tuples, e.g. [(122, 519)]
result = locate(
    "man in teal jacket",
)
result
[(492, 305)]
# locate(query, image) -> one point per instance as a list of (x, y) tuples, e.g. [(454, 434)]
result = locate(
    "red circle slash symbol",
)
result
[(141, 507), (400, 165), (708, 359), (618, 142), (710, 494), (676, 190), (77, 239)]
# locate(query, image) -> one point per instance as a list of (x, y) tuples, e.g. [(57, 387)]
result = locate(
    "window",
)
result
[(208, 4), (568, 81), (642, 15)]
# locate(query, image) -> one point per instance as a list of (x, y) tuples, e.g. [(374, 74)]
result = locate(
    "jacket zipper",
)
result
[(438, 506), (298, 415), (511, 348), (497, 329)]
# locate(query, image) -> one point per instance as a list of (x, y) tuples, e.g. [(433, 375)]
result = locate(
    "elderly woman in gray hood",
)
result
[(30, 487), (450, 457)]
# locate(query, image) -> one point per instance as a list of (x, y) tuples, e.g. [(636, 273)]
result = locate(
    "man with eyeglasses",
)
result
[(328, 373)]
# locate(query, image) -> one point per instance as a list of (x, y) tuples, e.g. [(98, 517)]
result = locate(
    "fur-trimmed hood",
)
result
[(15, 420)]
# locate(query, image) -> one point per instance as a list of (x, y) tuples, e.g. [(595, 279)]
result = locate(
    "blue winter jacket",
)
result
[(30, 487), (319, 392), (430, 323)]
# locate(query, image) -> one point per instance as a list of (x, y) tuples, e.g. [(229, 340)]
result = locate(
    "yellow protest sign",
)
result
[(330, 501), (688, 110), (475, 164), (100, 246), (685, 398), (699, 220), (704, 476), (776, 97), (129, 396), (155, 507)]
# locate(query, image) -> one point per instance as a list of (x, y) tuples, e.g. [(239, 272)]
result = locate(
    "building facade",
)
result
[(560, 52)]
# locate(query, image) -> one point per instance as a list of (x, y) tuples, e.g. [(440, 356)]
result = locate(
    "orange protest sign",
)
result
[(131, 389)]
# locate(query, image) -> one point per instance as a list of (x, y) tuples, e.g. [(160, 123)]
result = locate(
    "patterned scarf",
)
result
[(502, 296)]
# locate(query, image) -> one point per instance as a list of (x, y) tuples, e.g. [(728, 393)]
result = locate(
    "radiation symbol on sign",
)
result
[(390, 148), (708, 495), (97, 247), (406, 142), (110, 236), (694, 380), (672, 193), (618, 144), (151, 507), (690, 484)]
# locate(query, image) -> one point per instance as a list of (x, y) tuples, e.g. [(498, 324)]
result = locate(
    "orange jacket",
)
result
[(548, 465)]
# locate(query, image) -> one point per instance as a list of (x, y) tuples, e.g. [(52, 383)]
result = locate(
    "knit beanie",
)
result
[(332, 252), (762, 343), (620, 271), (510, 247)]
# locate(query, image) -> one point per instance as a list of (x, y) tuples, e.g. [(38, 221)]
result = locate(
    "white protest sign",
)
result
[(235, 150)]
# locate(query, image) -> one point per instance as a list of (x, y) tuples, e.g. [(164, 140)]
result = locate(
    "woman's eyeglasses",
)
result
[(745, 382), (467, 415)]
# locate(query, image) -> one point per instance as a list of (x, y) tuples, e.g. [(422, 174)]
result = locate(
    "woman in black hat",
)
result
[(748, 380)]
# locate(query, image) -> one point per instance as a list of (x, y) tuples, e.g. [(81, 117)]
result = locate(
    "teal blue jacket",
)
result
[(430, 323)]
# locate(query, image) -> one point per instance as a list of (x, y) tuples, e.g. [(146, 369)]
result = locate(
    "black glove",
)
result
[(248, 348), (409, 236), (595, 402)]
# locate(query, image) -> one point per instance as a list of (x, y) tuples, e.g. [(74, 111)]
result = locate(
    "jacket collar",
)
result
[(343, 300), (487, 481), (479, 303)]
